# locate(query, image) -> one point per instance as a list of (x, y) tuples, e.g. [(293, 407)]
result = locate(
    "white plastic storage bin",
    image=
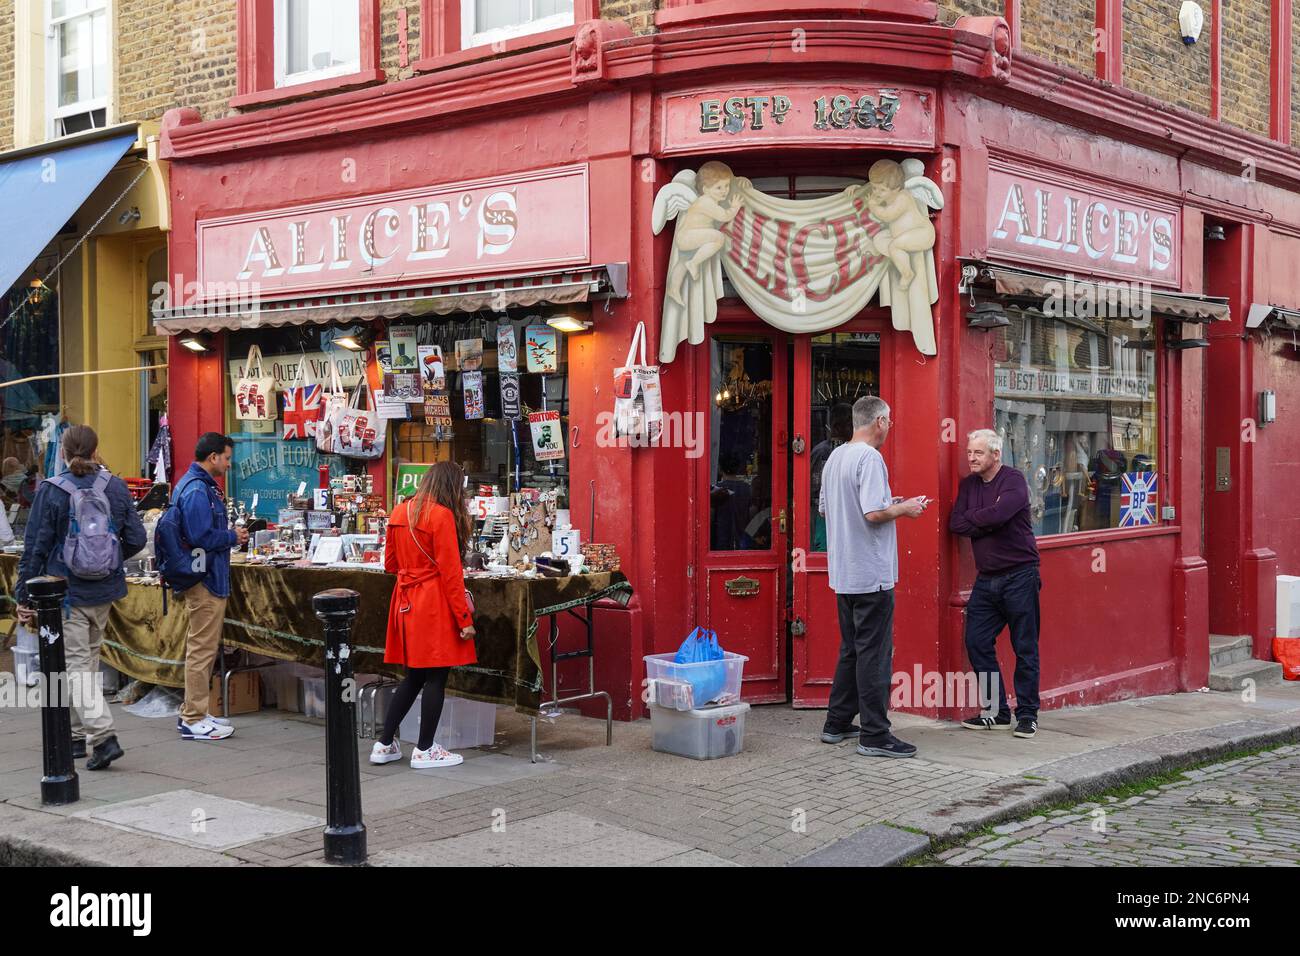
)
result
[(27, 666), (311, 696), (26, 639), (662, 667), (699, 734), (464, 723)]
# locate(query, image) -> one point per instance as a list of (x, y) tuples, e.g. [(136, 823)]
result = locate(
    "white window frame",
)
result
[(283, 79), (53, 112), (470, 37)]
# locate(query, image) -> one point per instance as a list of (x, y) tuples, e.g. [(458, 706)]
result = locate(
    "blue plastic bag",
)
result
[(701, 647)]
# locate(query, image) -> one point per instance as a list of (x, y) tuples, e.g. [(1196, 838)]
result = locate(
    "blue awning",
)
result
[(40, 192)]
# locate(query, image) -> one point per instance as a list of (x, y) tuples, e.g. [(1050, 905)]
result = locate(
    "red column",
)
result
[(1279, 110), (1216, 60), (1109, 41)]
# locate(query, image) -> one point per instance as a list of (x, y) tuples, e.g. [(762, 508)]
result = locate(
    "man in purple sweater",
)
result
[(992, 510)]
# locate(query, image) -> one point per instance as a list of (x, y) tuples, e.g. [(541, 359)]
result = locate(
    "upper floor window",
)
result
[(490, 21), (78, 65), (316, 39)]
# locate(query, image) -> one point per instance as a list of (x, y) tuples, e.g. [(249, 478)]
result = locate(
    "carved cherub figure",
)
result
[(896, 199), (698, 217)]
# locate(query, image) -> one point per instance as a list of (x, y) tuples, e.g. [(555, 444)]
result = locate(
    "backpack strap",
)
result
[(63, 483), (101, 481)]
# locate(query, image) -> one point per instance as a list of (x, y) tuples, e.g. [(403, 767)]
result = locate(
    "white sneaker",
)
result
[(205, 729), (435, 756), (220, 721), (381, 754)]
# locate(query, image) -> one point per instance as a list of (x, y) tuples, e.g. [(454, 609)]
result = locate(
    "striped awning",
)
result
[(494, 294), (1132, 296)]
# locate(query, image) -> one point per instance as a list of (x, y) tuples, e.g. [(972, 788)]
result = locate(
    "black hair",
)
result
[(212, 443)]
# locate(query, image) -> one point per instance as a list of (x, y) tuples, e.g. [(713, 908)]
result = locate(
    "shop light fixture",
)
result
[(1216, 233), (567, 323), (987, 315), (196, 343), (1174, 338), (37, 291), (353, 343)]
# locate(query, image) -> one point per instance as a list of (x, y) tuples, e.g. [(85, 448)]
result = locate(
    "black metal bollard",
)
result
[(59, 785), (345, 834)]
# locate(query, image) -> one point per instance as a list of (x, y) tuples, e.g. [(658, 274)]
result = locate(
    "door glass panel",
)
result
[(845, 367), (740, 487)]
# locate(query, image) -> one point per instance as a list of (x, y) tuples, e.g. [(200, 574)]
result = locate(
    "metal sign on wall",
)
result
[(527, 221), (1046, 219), (798, 114)]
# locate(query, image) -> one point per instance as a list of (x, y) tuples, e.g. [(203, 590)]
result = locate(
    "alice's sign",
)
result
[(1042, 219), (818, 114), (526, 221)]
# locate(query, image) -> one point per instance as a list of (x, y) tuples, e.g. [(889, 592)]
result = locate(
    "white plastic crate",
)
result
[(27, 666), (311, 696), (699, 734), (464, 723), (26, 639), (662, 667), (1288, 605)]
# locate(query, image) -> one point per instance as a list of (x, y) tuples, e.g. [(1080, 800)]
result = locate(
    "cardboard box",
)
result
[(245, 694)]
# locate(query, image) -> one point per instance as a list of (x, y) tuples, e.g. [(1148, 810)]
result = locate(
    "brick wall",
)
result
[(1158, 63), (1295, 82), (388, 52), (639, 14), (1245, 85), (6, 75), (1061, 32), (146, 58), (950, 10), (203, 45)]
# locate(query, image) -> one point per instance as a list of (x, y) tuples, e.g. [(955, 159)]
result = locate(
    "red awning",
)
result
[(494, 294)]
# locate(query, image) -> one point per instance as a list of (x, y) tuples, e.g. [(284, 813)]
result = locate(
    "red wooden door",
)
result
[(831, 371), (743, 488)]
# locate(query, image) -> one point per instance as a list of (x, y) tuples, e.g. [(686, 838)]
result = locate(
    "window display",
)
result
[(1075, 403)]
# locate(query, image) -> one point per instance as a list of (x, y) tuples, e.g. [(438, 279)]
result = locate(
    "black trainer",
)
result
[(892, 747), (839, 736), (104, 754), (1026, 727), (981, 722), (78, 748)]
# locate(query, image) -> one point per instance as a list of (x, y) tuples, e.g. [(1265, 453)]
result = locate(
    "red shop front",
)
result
[(889, 207)]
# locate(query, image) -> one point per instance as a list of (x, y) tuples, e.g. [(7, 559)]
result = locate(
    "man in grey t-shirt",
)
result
[(862, 555)]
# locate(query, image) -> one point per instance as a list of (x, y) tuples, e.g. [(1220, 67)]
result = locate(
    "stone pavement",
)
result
[(259, 797), (1241, 812)]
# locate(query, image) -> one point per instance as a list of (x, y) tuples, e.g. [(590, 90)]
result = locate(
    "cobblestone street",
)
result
[(1241, 812)]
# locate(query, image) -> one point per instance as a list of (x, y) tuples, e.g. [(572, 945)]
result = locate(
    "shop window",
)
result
[(292, 48), (266, 465), (845, 367), (494, 451), (485, 22), (1075, 401), (316, 39), (740, 453), (30, 413), (77, 45)]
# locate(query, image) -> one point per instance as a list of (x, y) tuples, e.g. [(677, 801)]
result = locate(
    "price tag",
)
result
[(565, 544)]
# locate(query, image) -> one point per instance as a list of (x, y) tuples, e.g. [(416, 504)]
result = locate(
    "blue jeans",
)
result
[(1007, 599)]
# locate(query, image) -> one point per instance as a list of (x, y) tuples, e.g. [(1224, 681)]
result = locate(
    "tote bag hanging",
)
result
[(255, 392), (638, 403), (301, 406), (333, 403), (359, 432)]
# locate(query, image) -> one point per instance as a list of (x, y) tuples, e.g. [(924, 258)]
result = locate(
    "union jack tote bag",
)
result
[(301, 406)]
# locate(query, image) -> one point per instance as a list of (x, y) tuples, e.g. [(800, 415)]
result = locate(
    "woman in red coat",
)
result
[(430, 630)]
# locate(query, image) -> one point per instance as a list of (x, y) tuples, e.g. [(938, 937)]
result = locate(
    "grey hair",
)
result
[(990, 438), (867, 409)]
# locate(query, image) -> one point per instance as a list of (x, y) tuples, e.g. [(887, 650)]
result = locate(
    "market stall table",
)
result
[(270, 613)]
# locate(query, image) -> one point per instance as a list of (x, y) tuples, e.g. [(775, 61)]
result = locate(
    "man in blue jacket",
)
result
[(88, 601), (206, 529)]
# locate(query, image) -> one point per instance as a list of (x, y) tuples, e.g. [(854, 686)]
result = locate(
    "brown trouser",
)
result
[(83, 633), (207, 614)]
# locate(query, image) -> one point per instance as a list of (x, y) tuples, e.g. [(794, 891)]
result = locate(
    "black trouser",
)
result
[(433, 682), (862, 677), (1008, 599)]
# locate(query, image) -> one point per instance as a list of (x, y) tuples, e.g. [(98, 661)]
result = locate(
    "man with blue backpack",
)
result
[(83, 526), (192, 543)]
